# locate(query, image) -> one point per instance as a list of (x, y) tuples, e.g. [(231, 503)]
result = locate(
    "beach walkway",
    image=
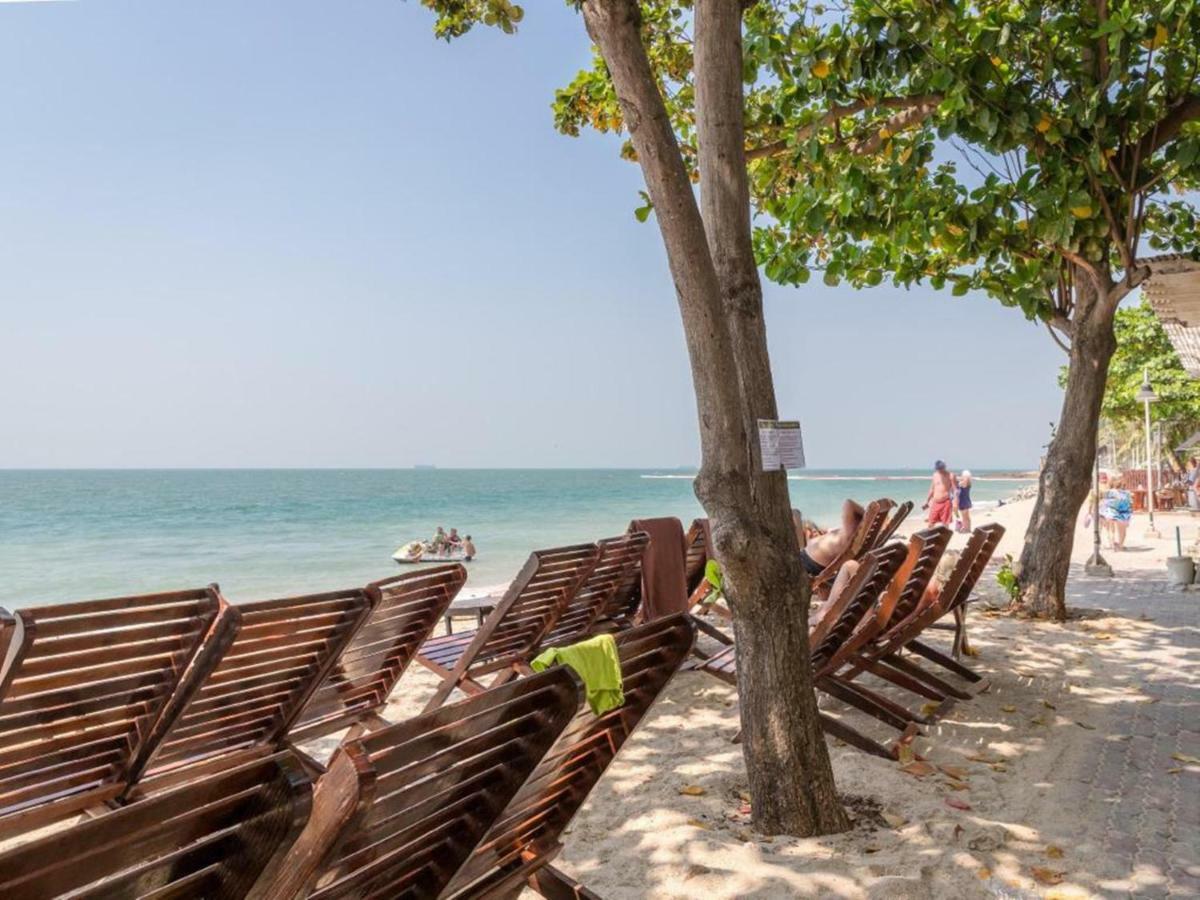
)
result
[(1140, 785)]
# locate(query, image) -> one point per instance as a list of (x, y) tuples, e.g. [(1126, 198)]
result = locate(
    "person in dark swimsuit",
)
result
[(963, 500)]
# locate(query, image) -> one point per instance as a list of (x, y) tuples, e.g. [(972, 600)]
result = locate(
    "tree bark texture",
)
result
[(720, 302), (1066, 476)]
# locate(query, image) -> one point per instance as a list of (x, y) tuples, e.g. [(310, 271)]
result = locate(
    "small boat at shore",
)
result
[(415, 552)]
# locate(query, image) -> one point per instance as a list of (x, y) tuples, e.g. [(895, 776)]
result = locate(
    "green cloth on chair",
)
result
[(712, 574), (596, 662)]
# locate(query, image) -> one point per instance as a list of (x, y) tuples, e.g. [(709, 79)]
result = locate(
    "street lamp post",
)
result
[(1147, 396)]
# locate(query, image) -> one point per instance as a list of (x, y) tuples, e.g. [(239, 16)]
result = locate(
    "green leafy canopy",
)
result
[(994, 146)]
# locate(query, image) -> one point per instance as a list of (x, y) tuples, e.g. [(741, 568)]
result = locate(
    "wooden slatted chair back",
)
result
[(528, 832), (212, 838), (974, 559), (82, 685), (861, 595), (696, 540), (406, 609), (618, 571), (530, 607), (400, 810), (893, 524), (966, 574), (925, 549), (282, 651)]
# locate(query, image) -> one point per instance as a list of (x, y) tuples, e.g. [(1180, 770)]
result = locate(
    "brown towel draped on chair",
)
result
[(664, 579)]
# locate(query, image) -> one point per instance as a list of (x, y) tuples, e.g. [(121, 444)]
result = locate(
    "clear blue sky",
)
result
[(304, 233)]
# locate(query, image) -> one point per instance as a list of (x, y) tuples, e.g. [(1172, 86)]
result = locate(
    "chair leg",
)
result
[(851, 695), (900, 679), (554, 884), (912, 669), (711, 630), (854, 738), (944, 661)]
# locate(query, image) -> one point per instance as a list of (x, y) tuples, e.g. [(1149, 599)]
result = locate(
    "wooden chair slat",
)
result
[(82, 682)]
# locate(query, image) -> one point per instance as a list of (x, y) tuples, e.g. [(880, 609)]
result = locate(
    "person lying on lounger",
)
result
[(823, 549)]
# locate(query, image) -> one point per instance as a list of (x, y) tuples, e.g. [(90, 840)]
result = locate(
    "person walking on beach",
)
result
[(1117, 510), (1192, 473), (963, 500), (940, 499)]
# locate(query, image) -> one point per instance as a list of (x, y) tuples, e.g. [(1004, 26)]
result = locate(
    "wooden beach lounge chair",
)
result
[(503, 644), (401, 809), (883, 658), (900, 599), (211, 839), (279, 652), (899, 514), (612, 582), (405, 610), (519, 849), (81, 686), (827, 634)]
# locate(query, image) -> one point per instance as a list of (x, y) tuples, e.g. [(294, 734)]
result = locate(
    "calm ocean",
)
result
[(72, 535)]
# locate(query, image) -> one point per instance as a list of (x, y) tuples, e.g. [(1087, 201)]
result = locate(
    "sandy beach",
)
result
[(991, 808)]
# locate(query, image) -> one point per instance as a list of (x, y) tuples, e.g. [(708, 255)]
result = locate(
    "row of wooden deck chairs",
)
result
[(106, 701), (879, 621), (467, 801)]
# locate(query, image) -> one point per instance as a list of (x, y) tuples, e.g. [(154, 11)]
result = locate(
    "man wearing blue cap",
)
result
[(940, 499)]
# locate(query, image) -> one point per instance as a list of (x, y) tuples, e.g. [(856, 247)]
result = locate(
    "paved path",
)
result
[(1151, 833)]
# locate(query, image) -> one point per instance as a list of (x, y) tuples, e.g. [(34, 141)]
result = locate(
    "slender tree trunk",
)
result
[(720, 302), (765, 582), (1066, 476)]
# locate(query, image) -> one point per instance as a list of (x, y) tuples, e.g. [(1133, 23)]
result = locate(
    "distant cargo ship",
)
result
[(424, 466)]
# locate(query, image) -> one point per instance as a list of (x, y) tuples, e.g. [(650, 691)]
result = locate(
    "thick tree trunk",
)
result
[(1067, 474), (720, 303), (765, 582)]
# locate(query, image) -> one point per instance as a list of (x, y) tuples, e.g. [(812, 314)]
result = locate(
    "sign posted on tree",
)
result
[(782, 445)]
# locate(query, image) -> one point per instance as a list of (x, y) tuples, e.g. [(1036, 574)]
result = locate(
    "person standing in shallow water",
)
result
[(963, 500), (940, 499)]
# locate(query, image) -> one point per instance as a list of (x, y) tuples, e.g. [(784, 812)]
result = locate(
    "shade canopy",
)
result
[(1173, 290)]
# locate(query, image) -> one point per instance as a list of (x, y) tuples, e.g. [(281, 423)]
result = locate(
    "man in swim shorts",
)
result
[(940, 499), (823, 549)]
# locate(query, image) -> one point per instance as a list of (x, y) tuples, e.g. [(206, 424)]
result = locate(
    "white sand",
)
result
[(1050, 688)]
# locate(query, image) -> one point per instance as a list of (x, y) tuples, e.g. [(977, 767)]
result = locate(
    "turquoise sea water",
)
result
[(72, 535)]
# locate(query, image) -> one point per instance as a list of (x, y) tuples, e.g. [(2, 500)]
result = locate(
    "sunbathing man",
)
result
[(823, 549)]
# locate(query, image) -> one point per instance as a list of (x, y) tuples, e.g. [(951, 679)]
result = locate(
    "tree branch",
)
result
[(835, 115), (901, 121), (1164, 131), (1050, 326)]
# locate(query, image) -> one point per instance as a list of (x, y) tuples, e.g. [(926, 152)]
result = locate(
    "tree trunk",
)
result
[(1066, 476), (765, 583), (720, 302)]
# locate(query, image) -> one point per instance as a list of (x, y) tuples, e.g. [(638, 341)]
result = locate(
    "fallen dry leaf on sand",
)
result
[(1046, 876), (928, 709), (957, 772), (696, 823), (1008, 707), (955, 785), (1086, 725), (894, 819), (918, 769), (1184, 758), (1046, 703), (955, 803), (1174, 771), (1054, 852), (904, 753), (692, 790), (984, 873), (970, 651), (983, 758)]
